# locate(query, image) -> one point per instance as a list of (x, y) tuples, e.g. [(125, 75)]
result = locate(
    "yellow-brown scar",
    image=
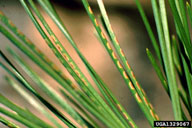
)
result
[(108, 45), (128, 65), (114, 56), (59, 47), (73, 86), (118, 105), (84, 82), (90, 10), (156, 116), (151, 106), (138, 98), (125, 116), (116, 41), (145, 100), (65, 57), (131, 124), (102, 34), (11, 23), (125, 74), (55, 67), (131, 85), (143, 92), (47, 59), (26, 39), (37, 50), (132, 74), (78, 74), (96, 22), (119, 64), (138, 85), (19, 32), (53, 38), (63, 75), (121, 51), (71, 65), (152, 113)]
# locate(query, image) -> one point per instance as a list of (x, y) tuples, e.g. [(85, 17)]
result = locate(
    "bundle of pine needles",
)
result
[(174, 58)]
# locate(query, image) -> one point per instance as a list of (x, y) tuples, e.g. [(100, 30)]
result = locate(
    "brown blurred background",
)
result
[(131, 34)]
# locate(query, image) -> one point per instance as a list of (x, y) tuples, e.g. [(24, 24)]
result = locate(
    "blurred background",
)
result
[(133, 38)]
